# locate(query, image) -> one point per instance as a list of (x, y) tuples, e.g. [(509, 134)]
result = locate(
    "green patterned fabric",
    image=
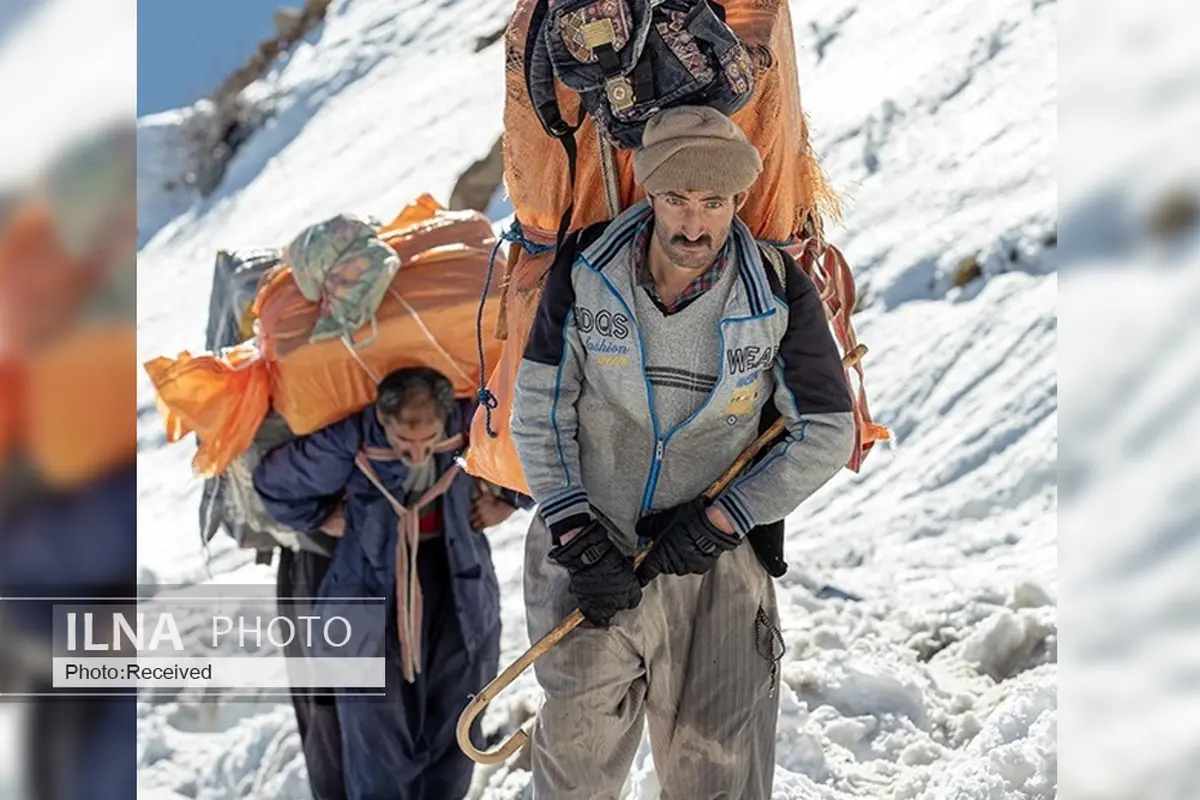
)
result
[(342, 264)]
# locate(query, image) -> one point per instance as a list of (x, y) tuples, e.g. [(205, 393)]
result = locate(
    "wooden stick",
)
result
[(480, 701)]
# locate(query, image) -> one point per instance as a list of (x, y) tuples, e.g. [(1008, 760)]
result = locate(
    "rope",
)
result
[(429, 334), (515, 235), (374, 376), (409, 597)]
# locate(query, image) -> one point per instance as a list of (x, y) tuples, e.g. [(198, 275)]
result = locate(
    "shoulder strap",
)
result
[(575, 243), (772, 255), (588, 235)]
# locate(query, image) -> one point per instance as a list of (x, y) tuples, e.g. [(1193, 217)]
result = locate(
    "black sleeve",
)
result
[(545, 342), (812, 367)]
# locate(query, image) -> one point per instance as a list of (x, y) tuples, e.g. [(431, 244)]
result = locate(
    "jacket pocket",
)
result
[(470, 573)]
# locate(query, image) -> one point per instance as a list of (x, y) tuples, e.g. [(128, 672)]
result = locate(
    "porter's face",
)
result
[(414, 431), (691, 227)]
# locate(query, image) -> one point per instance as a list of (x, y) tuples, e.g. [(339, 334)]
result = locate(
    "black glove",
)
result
[(602, 577), (685, 542), (655, 525)]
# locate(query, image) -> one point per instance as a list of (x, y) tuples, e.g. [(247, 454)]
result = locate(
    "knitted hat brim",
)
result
[(724, 167)]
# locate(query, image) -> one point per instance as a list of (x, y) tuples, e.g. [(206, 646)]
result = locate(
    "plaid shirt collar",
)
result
[(698, 286)]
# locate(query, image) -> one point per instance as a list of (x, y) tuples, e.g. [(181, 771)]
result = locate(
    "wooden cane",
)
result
[(480, 701)]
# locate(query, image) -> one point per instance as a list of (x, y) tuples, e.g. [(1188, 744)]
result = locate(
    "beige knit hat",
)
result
[(695, 148)]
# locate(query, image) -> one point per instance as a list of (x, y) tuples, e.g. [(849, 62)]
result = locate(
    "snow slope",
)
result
[(1130, 374), (938, 122)]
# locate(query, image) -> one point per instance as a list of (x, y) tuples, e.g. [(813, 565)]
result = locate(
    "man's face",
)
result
[(691, 227), (414, 431)]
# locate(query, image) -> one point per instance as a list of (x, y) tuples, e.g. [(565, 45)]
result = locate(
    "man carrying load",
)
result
[(386, 481), (659, 340)]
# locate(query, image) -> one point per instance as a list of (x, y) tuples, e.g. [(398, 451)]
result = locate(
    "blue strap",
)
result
[(516, 235)]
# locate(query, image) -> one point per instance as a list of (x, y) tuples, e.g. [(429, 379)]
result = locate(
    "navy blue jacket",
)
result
[(301, 482)]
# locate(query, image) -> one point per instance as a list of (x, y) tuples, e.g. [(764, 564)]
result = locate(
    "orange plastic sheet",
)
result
[(11, 389), (221, 397), (789, 190)]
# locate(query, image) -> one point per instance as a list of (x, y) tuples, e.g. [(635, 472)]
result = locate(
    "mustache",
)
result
[(681, 239)]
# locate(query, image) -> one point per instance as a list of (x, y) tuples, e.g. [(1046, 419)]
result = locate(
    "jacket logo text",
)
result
[(750, 358), (603, 322)]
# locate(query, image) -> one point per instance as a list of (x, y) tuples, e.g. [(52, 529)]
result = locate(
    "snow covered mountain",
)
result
[(937, 122)]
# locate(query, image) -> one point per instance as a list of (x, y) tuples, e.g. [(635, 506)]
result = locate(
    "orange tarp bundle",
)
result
[(790, 188), (427, 318), (790, 194)]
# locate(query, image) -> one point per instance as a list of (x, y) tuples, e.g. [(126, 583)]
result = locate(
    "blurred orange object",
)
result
[(427, 318), (43, 288), (80, 397), (11, 389), (67, 390), (68, 407)]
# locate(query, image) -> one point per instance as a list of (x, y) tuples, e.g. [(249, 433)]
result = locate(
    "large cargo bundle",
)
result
[(785, 206), (426, 317)]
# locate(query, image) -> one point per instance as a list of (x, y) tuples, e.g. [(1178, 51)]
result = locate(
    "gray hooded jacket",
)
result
[(585, 421)]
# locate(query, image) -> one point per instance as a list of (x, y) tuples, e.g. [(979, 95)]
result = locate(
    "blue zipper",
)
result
[(652, 480), (660, 442)]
